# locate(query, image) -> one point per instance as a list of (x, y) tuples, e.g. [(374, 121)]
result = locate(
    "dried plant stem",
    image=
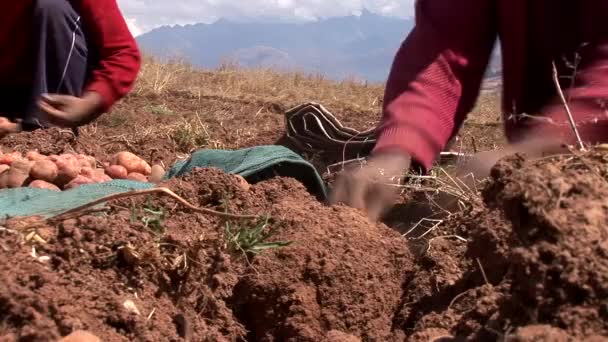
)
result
[(483, 272), (162, 191), (560, 92)]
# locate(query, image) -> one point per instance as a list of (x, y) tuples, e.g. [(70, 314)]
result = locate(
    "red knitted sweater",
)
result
[(436, 75)]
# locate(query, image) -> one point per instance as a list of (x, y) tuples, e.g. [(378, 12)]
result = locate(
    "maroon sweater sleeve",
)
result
[(118, 58), (435, 77)]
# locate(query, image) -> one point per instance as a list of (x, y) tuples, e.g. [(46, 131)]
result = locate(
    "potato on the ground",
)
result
[(117, 171), (69, 168), (87, 171), (243, 183), (136, 176), (19, 173), (44, 169), (102, 178), (67, 171), (9, 158), (34, 156), (96, 175), (4, 176), (78, 181), (131, 162), (86, 161), (157, 174), (40, 184)]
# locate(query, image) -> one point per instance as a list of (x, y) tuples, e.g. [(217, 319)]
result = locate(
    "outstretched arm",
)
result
[(115, 63), (436, 76), (433, 83), (118, 55)]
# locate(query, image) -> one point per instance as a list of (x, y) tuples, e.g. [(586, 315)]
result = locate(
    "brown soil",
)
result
[(526, 261), (184, 278), (536, 256), (534, 267), (163, 128)]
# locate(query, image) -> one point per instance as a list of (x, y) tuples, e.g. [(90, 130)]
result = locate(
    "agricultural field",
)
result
[(524, 258)]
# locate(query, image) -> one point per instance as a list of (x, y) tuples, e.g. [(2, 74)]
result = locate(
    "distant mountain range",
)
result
[(360, 47)]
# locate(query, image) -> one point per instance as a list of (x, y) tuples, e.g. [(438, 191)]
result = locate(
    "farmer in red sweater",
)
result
[(63, 62), (437, 72)]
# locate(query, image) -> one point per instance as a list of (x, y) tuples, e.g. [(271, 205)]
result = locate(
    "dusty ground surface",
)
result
[(525, 259)]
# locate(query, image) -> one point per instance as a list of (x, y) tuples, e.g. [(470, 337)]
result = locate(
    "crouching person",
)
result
[(63, 62), (436, 76)]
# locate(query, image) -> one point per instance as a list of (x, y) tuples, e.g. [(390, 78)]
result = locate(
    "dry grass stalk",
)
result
[(233, 83), (560, 92), (436, 223), (483, 272), (161, 191)]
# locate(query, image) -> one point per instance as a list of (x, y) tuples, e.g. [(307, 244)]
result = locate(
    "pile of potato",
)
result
[(67, 171)]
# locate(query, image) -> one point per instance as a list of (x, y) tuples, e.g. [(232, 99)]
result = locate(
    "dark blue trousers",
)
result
[(60, 65)]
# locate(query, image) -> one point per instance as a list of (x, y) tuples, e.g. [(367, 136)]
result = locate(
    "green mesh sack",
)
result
[(256, 163), (49, 203)]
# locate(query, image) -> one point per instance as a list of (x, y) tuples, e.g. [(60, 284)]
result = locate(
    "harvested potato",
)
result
[(243, 183), (87, 171), (34, 156), (68, 167), (22, 164), (86, 161), (9, 158), (19, 173), (16, 178), (40, 184), (117, 171), (101, 178), (97, 175), (4, 176), (44, 169), (100, 172), (157, 174), (69, 170), (136, 176), (78, 181), (131, 162)]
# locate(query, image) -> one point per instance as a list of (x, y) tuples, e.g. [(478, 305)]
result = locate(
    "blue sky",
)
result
[(144, 15)]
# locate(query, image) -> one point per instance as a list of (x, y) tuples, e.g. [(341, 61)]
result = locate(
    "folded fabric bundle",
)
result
[(311, 127)]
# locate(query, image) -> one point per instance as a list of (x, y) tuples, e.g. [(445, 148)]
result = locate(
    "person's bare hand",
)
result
[(7, 127), (480, 165), (369, 187), (70, 111)]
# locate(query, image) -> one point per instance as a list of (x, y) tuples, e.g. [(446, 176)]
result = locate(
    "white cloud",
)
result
[(132, 24), (144, 15)]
